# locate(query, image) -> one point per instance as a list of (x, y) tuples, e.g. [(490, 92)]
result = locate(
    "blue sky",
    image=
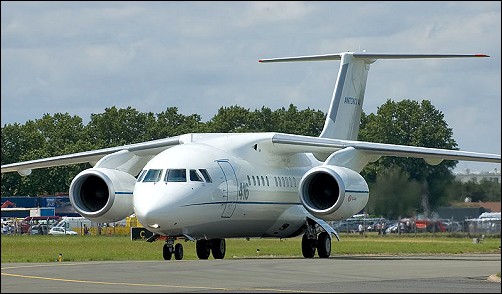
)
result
[(81, 57)]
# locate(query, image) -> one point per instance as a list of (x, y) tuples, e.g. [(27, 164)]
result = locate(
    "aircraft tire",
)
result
[(178, 251), (323, 245), (218, 246), (203, 249), (308, 246), (166, 252)]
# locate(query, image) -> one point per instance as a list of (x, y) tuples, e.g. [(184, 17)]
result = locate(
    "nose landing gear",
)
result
[(169, 249)]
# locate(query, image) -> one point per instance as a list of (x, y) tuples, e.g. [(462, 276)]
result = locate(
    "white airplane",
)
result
[(208, 187)]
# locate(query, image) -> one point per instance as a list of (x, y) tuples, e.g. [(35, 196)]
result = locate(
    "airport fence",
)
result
[(469, 227), (489, 227)]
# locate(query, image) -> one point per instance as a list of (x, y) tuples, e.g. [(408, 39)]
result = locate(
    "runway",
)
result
[(362, 274)]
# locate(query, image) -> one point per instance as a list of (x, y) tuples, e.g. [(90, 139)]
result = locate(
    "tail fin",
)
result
[(344, 114)]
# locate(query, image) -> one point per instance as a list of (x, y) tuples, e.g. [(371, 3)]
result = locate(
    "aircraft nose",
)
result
[(159, 207), (148, 215), (153, 209)]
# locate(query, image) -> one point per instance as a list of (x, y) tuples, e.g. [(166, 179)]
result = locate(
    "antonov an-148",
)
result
[(208, 187)]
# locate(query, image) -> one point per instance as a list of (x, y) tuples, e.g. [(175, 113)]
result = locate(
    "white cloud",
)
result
[(80, 57)]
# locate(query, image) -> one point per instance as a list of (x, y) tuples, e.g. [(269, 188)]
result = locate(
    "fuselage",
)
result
[(228, 187)]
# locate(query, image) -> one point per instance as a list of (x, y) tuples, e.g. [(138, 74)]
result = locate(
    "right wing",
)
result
[(127, 158)]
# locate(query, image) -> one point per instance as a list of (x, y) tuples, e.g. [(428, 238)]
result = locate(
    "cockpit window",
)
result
[(205, 174), (152, 175), (140, 177), (176, 175), (194, 176)]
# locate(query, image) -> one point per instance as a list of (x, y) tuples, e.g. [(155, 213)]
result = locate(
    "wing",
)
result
[(352, 154), (130, 158)]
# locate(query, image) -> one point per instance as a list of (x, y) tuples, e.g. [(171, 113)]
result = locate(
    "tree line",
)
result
[(398, 186)]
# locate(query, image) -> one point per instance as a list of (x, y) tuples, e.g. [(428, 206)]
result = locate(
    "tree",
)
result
[(171, 123), (236, 119), (306, 122), (398, 195), (484, 190), (52, 135), (116, 127), (417, 124), (233, 119)]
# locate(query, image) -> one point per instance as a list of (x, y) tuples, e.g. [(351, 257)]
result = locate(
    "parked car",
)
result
[(61, 231), (346, 227), (452, 226), (392, 228), (38, 230)]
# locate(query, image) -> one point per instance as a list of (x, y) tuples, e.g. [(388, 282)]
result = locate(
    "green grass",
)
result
[(26, 248)]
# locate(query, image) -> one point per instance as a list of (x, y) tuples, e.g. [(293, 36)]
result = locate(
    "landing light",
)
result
[(154, 226)]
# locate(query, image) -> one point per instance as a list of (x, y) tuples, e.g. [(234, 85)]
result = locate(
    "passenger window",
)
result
[(249, 180), (268, 183), (152, 175), (194, 176), (206, 175), (176, 175)]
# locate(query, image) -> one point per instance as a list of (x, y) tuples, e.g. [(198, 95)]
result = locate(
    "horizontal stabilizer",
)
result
[(369, 56)]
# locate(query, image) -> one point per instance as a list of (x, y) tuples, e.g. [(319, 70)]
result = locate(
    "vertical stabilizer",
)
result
[(344, 113)]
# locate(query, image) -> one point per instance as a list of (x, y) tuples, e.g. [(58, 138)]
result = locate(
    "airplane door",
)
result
[(229, 188)]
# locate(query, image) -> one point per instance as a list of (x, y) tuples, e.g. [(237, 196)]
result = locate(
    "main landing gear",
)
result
[(312, 241), (203, 248)]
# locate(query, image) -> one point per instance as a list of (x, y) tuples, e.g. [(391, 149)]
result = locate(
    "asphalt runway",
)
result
[(361, 274)]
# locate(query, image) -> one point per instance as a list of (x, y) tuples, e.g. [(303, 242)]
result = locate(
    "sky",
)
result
[(83, 57)]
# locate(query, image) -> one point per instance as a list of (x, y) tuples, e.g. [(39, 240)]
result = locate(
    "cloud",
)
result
[(81, 57)]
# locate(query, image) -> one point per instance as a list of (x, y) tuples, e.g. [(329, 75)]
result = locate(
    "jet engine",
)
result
[(332, 192), (103, 195)]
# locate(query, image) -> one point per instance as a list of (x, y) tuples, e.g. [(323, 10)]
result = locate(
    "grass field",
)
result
[(26, 248)]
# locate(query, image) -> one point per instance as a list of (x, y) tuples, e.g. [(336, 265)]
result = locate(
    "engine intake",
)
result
[(332, 192), (102, 194)]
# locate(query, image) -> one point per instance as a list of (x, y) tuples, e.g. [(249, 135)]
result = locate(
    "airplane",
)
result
[(206, 187)]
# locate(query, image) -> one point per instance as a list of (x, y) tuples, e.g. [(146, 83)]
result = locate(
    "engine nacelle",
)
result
[(332, 192), (103, 195)]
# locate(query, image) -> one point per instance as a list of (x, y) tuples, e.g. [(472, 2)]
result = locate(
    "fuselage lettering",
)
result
[(243, 191), (352, 100)]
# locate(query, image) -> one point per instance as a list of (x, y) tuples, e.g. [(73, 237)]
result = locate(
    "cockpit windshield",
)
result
[(152, 175), (176, 175)]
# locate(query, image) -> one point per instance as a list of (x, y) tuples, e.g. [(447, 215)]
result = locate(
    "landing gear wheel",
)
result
[(323, 245), (167, 252), (203, 249), (218, 246), (308, 246), (178, 251)]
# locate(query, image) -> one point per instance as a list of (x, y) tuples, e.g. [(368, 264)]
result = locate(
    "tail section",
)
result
[(344, 113)]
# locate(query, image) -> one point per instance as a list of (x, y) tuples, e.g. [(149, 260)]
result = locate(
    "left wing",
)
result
[(336, 151)]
